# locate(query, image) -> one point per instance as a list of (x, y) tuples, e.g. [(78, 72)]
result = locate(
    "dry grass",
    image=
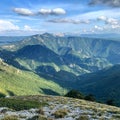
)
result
[(12, 117), (61, 113), (83, 117), (98, 110)]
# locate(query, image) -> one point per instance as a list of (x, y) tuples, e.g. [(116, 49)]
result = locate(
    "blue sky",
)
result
[(27, 17)]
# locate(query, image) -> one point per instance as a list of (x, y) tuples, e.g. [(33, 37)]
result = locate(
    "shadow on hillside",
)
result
[(59, 80), (11, 93), (59, 77), (9, 58), (49, 91)]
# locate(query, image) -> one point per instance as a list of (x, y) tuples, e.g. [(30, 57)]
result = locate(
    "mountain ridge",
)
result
[(63, 60), (95, 53), (106, 81)]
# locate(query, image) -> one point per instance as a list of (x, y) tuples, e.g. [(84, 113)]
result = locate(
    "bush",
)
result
[(12, 117), (39, 117), (2, 95), (40, 111), (83, 117), (110, 102), (61, 113), (79, 95), (90, 97), (75, 94), (19, 104)]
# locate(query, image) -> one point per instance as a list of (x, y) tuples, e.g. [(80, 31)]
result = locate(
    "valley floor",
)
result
[(62, 108)]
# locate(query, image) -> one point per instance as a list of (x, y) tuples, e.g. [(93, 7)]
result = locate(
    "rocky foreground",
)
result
[(61, 108)]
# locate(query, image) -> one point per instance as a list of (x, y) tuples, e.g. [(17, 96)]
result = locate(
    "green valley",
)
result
[(19, 82), (51, 64)]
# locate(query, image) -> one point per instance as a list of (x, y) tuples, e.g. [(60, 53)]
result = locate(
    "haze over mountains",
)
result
[(10, 39), (66, 61)]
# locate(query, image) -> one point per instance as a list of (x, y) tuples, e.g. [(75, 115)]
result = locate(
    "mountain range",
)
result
[(90, 65), (104, 84)]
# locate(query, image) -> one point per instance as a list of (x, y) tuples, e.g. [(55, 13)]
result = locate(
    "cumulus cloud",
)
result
[(7, 25), (98, 28), (111, 21), (110, 24), (115, 26), (27, 12), (23, 11), (8, 28), (103, 18), (112, 3), (69, 21), (45, 11), (56, 11), (27, 28)]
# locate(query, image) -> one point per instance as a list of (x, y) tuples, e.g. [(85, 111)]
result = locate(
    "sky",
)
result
[(28, 17)]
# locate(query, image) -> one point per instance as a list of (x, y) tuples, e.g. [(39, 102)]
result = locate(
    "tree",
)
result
[(90, 97), (75, 94), (110, 102)]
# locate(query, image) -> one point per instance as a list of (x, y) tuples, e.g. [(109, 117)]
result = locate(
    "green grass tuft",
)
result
[(19, 104)]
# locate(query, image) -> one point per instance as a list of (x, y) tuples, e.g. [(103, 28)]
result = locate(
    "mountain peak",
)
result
[(47, 34)]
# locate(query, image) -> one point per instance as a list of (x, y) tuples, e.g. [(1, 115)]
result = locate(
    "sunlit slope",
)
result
[(23, 82)]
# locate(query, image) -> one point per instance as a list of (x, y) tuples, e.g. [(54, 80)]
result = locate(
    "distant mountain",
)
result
[(110, 36), (104, 84), (10, 39), (78, 55), (63, 62), (39, 53)]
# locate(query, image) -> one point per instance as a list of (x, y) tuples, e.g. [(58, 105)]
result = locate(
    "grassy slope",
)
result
[(24, 82), (98, 110), (104, 84)]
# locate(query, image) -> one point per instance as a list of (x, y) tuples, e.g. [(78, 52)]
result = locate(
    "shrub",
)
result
[(90, 97), (12, 117), (60, 113), (39, 117), (110, 102), (75, 94), (83, 117), (40, 111), (19, 104), (2, 95), (79, 95)]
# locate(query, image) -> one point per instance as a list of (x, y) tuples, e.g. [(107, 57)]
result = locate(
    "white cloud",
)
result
[(107, 28), (98, 27), (27, 28), (69, 21), (103, 18), (115, 26), (9, 28), (7, 25), (27, 12), (45, 11), (111, 21), (23, 11), (56, 11)]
